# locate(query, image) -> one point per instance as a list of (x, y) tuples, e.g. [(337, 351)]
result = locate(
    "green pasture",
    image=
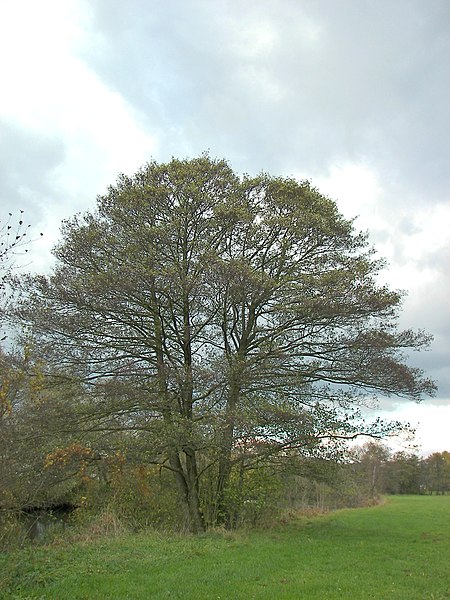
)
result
[(397, 550)]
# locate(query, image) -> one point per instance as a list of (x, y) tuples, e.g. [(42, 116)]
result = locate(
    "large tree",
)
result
[(219, 317)]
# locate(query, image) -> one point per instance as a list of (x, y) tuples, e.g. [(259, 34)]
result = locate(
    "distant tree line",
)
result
[(385, 472)]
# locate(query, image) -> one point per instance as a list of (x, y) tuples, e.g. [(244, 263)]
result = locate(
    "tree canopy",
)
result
[(220, 321)]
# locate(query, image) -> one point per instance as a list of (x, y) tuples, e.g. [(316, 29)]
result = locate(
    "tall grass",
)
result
[(398, 550)]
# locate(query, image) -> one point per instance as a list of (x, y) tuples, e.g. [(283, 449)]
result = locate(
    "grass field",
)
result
[(398, 550)]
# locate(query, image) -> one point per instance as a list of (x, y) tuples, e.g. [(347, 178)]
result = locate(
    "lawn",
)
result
[(398, 550)]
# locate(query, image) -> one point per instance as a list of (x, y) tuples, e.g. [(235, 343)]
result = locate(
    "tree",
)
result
[(436, 472), (373, 459), (212, 315), (402, 474)]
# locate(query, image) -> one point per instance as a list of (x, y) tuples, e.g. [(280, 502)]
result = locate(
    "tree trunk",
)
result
[(186, 476), (187, 484), (223, 514), (196, 521)]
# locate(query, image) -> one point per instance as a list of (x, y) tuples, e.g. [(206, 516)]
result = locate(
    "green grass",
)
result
[(398, 550)]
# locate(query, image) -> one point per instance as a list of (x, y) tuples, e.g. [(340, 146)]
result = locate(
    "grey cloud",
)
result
[(27, 161), (435, 365), (429, 311), (346, 80)]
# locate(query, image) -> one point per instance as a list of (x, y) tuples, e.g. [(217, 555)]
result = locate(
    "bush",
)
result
[(134, 498), (252, 496), (12, 531)]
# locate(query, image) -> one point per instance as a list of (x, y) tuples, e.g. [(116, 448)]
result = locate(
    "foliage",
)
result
[(217, 322), (252, 496), (436, 473), (28, 410), (403, 474), (140, 497), (379, 471)]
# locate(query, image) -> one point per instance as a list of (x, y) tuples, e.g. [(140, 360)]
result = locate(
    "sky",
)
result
[(350, 94)]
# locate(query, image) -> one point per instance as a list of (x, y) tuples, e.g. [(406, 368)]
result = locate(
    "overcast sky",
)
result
[(352, 94)]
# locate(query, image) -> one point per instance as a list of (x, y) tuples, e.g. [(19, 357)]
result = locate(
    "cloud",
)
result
[(430, 423), (27, 161), (287, 84)]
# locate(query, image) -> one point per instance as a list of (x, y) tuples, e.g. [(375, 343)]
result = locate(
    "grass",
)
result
[(398, 550)]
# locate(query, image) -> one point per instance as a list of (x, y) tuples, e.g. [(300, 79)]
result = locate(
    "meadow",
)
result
[(399, 549)]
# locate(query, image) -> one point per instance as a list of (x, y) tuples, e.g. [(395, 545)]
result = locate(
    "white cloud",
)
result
[(255, 40), (36, 42), (357, 190), (410, 237), (50, 89), (431, 232), (429, 421)]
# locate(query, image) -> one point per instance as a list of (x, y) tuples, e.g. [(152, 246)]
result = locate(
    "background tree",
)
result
[(202, 311), (372, 460), (403, 474), (436, 472)]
